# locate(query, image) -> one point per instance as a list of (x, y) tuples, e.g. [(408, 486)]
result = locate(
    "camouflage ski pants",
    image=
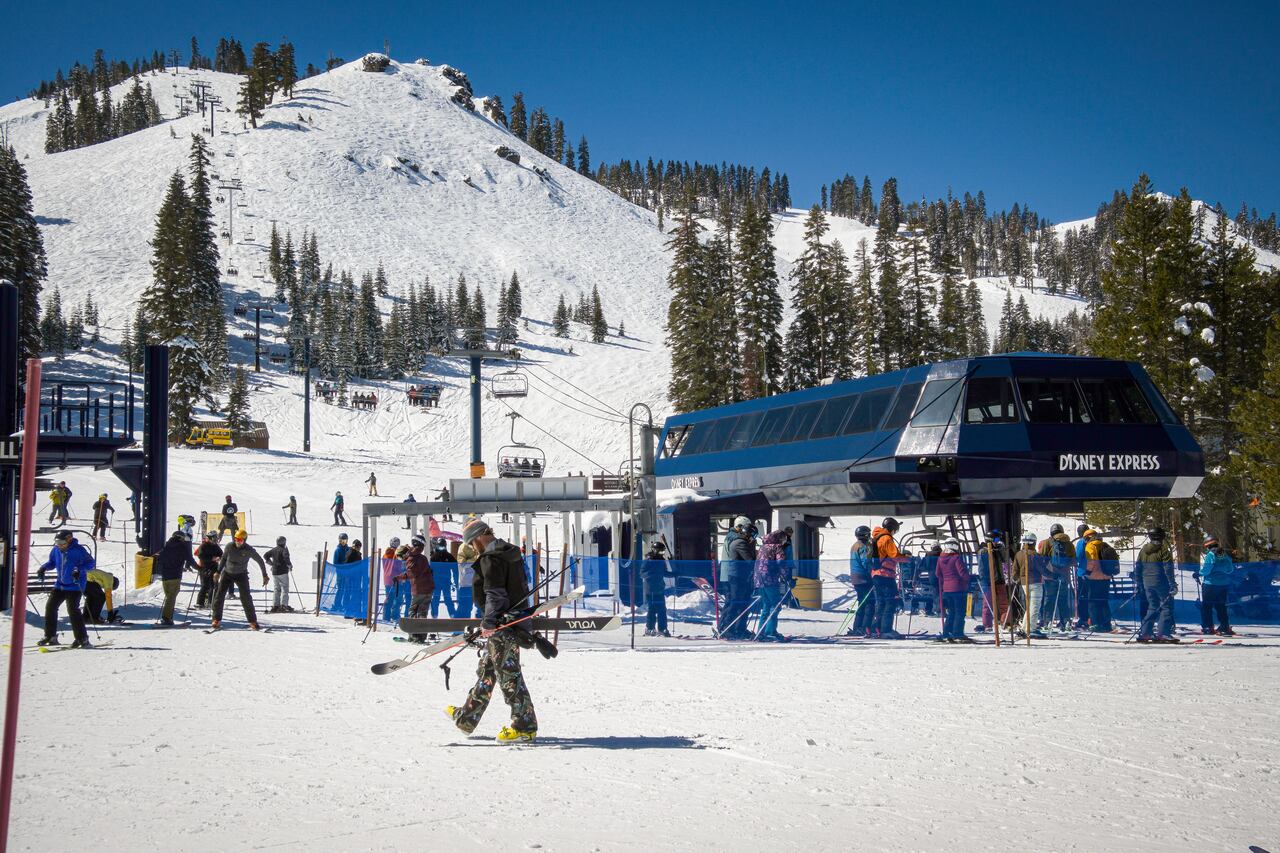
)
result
[(500, 663)]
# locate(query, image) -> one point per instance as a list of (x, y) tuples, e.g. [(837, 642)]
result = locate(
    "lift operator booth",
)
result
[(991, 437)]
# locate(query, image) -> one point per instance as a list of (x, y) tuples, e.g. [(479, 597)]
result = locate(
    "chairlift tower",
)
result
[(230, 186), (472, 344), (258, 308)]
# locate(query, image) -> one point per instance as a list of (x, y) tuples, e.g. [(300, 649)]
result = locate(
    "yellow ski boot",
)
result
[(510, 735), (452, 711)]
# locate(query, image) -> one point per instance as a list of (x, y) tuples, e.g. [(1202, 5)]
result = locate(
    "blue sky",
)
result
[(1055, 105)]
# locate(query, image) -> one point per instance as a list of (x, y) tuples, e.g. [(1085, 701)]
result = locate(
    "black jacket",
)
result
[(500, 582), (174, 558), (442, 555), (278, 559), (208, 554)]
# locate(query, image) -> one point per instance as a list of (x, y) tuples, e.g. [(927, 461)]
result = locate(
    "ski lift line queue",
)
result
[(554, 438), (576, 388)]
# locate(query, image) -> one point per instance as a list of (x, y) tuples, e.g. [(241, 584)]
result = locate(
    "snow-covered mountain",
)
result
[(387, 168)]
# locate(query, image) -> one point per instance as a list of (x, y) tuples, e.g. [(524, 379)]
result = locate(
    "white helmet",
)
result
[(742, 521), (1028, 538), (395, 542), (951, 545)]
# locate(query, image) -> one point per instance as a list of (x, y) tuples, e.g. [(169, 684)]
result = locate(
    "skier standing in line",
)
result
[(467, 605), (281, 564), (1082, 587), (1057, 565), (208, 553), (1160, 585), (392, 567), (444, 576), (1215, 574), (860, 577), (71, 563), (772, 579), (373, 484), (502, 586), (417, 568), (1102, 564), (229, 520), (884, 576), (444, 568), (1026, 563), (235, 570), (339, 518), (741, 559), (653, 575), (101, 521), (953, 582), (292, 506), (173, 559), (340, 552)]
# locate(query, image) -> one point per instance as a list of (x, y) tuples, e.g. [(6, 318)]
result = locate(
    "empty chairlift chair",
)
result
[(509, 383)]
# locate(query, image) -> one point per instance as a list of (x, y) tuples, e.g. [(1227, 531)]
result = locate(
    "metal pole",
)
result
[(477, 462), (995, 599), (19, 623), (257, 338), (306, 396), (8, 426)]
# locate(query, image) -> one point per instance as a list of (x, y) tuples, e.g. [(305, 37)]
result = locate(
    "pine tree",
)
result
[(760, 318), (975, 321), (380, 281), (368, 329), (953, 330), (599, 328), (560, 321), (22, 257), (688, 319), (891, 343), (238, 418), (201, 251), (251, 99), (515, 298), (721, 304), (75, 331), (477, 319), (286, 70), (1128, 320), (91, 318), (862, 356), (53, 327), (584, 157), (919, 296), (275, 270), (1258, 421), (817, 343), (519, 120)]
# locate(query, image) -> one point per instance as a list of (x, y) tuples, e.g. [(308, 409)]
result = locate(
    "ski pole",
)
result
[(765, 619), (745, 611)]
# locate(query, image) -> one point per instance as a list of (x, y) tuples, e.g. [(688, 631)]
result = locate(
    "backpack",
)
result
[(1061, 554), (1109, 560)]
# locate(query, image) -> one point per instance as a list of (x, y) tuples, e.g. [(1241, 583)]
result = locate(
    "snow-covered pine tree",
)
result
[(809, 355), (380, 281), (477, 319), (890, 311), (75, 330), (1258, 421), (275, 268), (515, 297), (760, 318), (584, 157), (201, 250), (721, 306), (286, 69), (53, 327), (238, 417), (289, 272), (919, 295), (975, 320), (953, 331), (22, 258), (560, 320), (600, 328), (91, 319), (519, 118), (688, 319), (368, 329)]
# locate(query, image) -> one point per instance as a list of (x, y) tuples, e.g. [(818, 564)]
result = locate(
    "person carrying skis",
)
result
[(417, 568), (339, 518), (229, 520), (1215, 575), (885, 557), (1057, 566), (172, 560), (1160, 585), (101, 520), (373, 484), (860, 577), (653, 577), (208, 553), (502, 586), (71, 563), (278, 559), (234, 567), (772, 579), (953, 584), (740, 550), (292, 506)]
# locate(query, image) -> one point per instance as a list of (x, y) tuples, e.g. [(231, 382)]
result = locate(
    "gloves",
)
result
[(40, 574), (75, 575)]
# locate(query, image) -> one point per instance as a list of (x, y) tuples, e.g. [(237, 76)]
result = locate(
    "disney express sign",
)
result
[(1108, 462)]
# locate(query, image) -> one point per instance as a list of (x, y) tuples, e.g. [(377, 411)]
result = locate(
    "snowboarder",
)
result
[(373, 484), (278, 559), (339, 519), (1057, 567), (208, 553), (1215, 574), (101, 520), (740, 556), (501, 584), (953, 582), (172, 560), (1160, 585), (860, 577), (292, 506), (229, 520), (71, 563), (884, 576), (417, 569), (1102, 563), (772, 579), (234, 567), (654, 574)]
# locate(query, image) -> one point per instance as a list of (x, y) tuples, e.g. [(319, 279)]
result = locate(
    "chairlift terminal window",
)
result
[(772, 426), (1053, 401), (870, 409), (743, 430), (1117, 401), (802, 421), (990, 401), (674, 441), (832, 417), (938, 403), (902, 405), (721, 428)]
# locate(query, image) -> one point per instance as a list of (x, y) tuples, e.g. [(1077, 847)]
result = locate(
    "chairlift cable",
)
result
[(575, 387), (606, 417), (553, 437)]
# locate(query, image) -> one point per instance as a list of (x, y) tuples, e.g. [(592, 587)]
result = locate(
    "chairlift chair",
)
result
[(520, 460), (509, 383), (240, 310), (278, 354)]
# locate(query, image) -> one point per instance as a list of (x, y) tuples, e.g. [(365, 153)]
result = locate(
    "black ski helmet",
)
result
[(1156, 534), (863, 533), (280, 540), (890, 524), (1081, 528), (1055, 529)]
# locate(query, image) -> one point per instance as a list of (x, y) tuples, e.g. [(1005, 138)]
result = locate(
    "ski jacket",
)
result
[(1155, 561), (72, 566), (235, 560), (445, 574), (418, 569), (953, 574), (984, 570), (654, 570), (1082, 562), (337, 503), (279, 560), (57, 497), (1216, 569), (887, 551), (207, 555), (1027, 560), (860, 563), (500, 581), (340, 554), (442, 555), (392, 567), (772, 567), (106, 582), (1095, 563), (100, 510), (742, 554), (1061, 567), (174, 558), (229, 510)]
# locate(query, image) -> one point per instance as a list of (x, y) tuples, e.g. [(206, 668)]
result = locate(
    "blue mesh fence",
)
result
[(346, 590)]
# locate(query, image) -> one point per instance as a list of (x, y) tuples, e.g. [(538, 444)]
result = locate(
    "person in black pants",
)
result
[(72, 563), (207, 556), (741, 567), (653, 571)]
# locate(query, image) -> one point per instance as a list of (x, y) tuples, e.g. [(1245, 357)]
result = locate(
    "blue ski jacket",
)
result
[(1216, 569), (72, 566)]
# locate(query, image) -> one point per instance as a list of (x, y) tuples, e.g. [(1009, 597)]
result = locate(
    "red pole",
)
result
[(26, 482)]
